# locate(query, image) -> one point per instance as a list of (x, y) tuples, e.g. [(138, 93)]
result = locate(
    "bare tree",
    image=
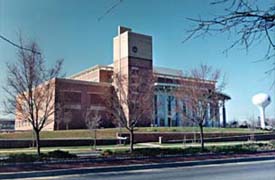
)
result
[(199, 95), (131, 103), (92, 119), (62, 116), (30, 89), (68, 115), (61, 104), (248, 20), (59, 115)]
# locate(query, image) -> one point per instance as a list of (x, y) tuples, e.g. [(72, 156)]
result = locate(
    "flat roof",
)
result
[(168, 71), (159, 71), (93, 68), (75, 81)]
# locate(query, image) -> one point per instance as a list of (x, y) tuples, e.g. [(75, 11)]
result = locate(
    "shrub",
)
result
[(22, 157), (232, 149), (174, 130), (194, 150), (107, 152), (150, 151), (58, 154), (240, 148)]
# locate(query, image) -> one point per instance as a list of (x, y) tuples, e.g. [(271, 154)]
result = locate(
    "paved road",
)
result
[(263, 170)]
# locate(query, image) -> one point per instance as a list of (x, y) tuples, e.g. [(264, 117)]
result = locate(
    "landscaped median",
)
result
[(64, 160), (162, 152), (60, 155)]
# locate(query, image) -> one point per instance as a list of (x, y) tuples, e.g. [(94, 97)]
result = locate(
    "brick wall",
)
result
[(90, 95)]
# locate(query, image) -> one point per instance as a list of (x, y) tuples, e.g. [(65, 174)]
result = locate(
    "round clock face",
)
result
[(134, 49)]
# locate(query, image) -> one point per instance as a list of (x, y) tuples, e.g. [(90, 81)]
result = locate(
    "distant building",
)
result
[(6, 124), (133, 55)]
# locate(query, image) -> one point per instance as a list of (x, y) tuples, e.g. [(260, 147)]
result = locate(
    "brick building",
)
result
[(132, 57)]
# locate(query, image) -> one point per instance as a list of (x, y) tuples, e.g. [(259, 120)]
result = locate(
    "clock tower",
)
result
[(132, 61)]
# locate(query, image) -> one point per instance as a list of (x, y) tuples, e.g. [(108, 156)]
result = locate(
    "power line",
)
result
[(18, 46), (108, 11)]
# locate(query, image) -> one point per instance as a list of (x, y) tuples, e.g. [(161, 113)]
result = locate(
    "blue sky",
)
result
[(69, 29)]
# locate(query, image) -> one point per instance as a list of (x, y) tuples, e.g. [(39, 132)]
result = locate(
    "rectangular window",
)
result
[(134, 70), (70, 97), (184, 108), (96, 99), (169, 121), (161, 122), (170, 98)]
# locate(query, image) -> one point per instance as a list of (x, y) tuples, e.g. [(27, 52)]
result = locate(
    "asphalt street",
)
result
[(261, 170)]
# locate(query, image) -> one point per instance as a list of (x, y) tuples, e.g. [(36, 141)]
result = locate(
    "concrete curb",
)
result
[(33, 174)]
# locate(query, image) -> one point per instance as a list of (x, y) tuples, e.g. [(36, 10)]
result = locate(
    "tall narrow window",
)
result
[(169, 105), (184, 108), (156, 109)]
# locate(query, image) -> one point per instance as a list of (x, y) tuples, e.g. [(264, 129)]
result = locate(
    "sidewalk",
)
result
[(44, 170)]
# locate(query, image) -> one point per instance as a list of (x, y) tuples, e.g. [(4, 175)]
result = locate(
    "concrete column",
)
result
[(166, 110), (223, 114), (157, 108)]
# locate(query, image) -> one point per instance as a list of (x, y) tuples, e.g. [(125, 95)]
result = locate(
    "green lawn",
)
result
[(196, 129), (111, 133), (207, 144)]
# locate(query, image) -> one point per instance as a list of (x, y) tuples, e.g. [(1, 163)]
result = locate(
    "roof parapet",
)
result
[(122, 29), (96, 67)]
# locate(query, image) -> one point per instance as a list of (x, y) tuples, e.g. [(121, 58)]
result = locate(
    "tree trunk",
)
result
[(37, 135), (131, 140), (57, 125), (201, 137), (95, 139), (33, 139), (67, 126)]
